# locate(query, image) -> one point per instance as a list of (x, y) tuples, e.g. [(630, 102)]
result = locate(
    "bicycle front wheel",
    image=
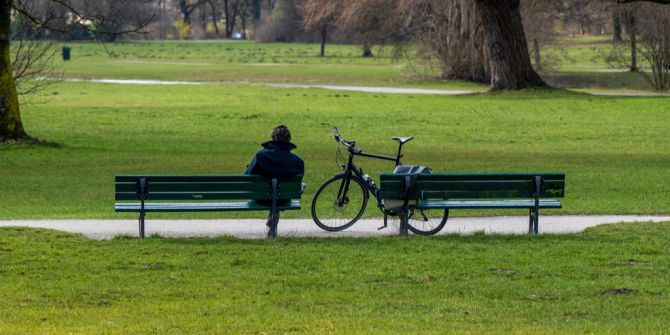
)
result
[(339, 203), (427, 221)]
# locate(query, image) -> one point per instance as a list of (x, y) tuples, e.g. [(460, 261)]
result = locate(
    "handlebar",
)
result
[(338, 138)]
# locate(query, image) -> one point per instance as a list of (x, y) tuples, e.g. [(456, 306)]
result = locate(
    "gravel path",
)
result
[(373, 89), (106, 229)]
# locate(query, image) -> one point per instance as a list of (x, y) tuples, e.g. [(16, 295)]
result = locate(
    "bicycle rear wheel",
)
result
[(338, 204), (427, 221)]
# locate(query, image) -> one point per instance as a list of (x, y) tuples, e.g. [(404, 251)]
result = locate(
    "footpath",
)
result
[(254, 228)]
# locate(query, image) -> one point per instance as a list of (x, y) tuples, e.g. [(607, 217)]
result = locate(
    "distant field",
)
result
[(234, 61), (615, 151), (608, 280)]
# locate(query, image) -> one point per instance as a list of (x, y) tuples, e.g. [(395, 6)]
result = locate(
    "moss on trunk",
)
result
[(10, 116)]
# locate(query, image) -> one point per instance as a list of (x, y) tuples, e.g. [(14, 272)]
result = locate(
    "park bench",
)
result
[(530, 191), (207, 193)]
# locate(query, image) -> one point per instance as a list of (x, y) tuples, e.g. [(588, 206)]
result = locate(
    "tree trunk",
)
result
[(617, 31), (255, 13), (243, 20), (226, 16), (11, 127), (633, 52), (509, 59), (215, 17), (465, 56), (324, 34), (367, 49), (185, 12)]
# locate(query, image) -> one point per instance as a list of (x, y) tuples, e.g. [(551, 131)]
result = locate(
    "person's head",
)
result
[(281, 133)]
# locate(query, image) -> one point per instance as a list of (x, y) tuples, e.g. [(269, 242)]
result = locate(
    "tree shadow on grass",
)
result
[(28, 143)]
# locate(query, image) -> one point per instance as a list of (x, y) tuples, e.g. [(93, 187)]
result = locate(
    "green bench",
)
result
[(207, 193), (530, 191)]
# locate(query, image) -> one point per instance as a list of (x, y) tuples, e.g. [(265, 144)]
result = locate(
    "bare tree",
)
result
[(11, 126), (450, 31), (283, 24), (539, 24), (370, 21), (321, 15), (33, 63), (654, 28)]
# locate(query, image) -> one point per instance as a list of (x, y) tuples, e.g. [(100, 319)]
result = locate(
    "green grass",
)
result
[(610, 279), (614, 151), (235, 61)]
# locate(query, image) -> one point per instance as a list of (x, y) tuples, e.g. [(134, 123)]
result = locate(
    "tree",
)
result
[(370, 21), (11, 126), (654, 30), (320, 15), (452, 32), (506, 41), (539, 24)]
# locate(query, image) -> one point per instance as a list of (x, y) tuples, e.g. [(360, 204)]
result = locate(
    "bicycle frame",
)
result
[(351, 169)]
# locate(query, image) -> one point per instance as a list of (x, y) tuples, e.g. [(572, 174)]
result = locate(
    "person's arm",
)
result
[(252, 165)]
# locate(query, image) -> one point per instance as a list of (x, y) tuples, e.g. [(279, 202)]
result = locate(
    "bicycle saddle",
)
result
[(402, 140)]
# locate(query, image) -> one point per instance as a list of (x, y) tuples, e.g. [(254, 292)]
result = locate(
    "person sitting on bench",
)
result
[(276, 159)]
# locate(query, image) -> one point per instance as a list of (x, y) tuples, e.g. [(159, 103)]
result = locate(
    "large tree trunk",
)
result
[(11, 127), (509, 59), (465, 57)]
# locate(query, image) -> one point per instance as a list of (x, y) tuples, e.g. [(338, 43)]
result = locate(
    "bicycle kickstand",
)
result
[(386, 215)]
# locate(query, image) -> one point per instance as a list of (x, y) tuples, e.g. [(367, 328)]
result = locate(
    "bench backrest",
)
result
[(473, 186), (205, 187)]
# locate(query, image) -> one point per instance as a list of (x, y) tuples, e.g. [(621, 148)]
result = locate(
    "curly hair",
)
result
[(281, 133)]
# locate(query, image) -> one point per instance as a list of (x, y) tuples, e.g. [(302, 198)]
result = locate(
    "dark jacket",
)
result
[(276, 161)]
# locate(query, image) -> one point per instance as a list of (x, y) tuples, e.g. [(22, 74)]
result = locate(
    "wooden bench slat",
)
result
[(202, 206), (445, 186), (153, 196), (199, 178), (464, 204)]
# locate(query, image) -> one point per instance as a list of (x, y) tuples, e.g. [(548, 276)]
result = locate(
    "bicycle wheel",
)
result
[(333, 211), (427, 221)]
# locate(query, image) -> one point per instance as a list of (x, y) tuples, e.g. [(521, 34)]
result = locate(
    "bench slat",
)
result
[(206, 196), (455, 204), (199, 178), (202, 206), (477, 186), (205, 187)]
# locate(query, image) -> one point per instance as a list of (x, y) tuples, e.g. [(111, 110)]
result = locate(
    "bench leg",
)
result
[(141, 225), (533, 221), (404, 221), (272, 223)]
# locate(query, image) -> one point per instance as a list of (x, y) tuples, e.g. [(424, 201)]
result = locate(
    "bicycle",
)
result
[(341, 200)]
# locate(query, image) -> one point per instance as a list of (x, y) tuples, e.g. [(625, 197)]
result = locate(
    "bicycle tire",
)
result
[(433, 227), (318, 208)]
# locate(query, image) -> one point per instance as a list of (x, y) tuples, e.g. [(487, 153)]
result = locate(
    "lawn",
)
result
[(614, 151), (609, 279)]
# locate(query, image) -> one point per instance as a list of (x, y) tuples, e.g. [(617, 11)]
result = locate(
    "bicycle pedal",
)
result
[(382, 227)]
